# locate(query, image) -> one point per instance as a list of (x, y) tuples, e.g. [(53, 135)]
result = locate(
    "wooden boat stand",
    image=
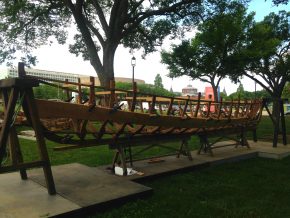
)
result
[(13, 91), (124, 153), (240, 140)]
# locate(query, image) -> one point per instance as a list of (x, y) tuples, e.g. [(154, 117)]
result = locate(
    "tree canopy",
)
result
[(277, 2), (265, 57), (101, 26), (49, 92), (206, 56), (242, 94), (286, 91), (158, 81), (146, 89)]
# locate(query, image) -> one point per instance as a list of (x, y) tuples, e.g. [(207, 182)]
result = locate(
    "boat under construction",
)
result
[(118, 118)]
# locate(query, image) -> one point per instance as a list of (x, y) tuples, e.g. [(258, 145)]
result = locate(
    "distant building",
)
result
[(209, 94), (12, 73), (189, 91)]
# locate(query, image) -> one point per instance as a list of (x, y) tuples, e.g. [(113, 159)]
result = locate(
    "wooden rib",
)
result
[(160, 108), (153, 130), (220, 108), (141, 107), (119, 131), (170, 106), (185, 107), (237, 108), (92, 99), (208, 108), (231, 111), (83, 131), (168, 130), (191, 109), (102, 130), (137, 130), (152, 106), (180, 111), (248, 108), (198, 105)]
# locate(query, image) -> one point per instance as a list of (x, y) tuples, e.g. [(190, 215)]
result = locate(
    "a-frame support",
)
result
[(206, 146), (13, 91)]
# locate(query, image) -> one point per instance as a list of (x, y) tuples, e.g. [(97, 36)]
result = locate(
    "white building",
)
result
[(189, 91), (12, 73)]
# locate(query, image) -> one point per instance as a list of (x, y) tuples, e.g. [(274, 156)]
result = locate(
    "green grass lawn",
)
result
[(251, 188)]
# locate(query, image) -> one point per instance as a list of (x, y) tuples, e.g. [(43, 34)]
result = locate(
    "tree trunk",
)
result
[(276, 119), (276, 96), (215, 91), (108, 68), (105, 71), (276, 113)]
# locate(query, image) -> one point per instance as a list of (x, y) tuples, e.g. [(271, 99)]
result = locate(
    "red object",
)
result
[(208, 93)]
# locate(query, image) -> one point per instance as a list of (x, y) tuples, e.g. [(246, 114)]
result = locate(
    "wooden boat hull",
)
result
[(50, 109)]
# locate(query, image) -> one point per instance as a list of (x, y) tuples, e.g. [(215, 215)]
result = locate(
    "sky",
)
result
[(57, 58)]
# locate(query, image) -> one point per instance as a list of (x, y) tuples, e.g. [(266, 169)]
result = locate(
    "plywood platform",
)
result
[(81, 188)]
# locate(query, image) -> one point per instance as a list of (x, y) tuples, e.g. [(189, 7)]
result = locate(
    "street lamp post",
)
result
[(133, 63)]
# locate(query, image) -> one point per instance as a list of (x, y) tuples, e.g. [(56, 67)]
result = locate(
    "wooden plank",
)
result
[(17, 82), (109, 92), (169, 110), (7, 122), (92, 99), (76, 111), (32, 109), (197, 106), (15, 149), (5, 169), (134, 141)]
